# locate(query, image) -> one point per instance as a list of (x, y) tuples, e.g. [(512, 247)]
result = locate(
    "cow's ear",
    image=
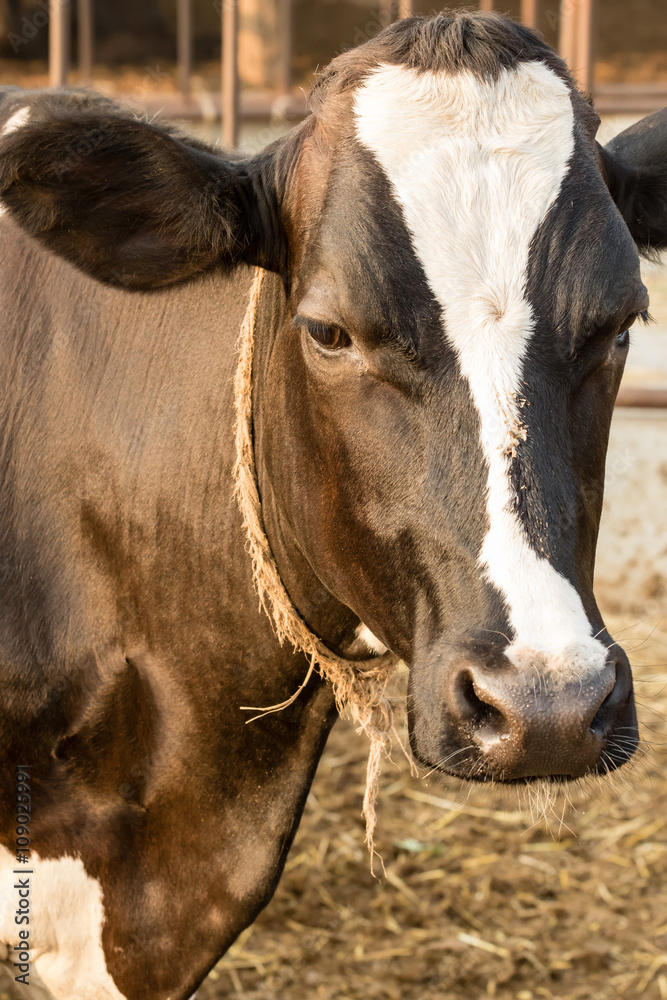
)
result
[(130, 202), (635, 169)]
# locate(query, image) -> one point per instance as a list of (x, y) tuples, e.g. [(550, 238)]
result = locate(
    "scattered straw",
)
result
[(359, 685), (466, 868)]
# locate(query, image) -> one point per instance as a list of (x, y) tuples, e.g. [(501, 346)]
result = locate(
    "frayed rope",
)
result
[(358, 685)]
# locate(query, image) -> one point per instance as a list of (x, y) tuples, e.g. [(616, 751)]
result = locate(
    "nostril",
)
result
[(474, 708), (599, 721), (618, 695)]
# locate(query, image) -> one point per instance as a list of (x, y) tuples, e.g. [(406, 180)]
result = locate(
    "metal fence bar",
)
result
[(487, 5), (629, 98), (577, 39), (285, 46), (387, 11), (230, 74), (406, 8), (568, 32), (86, 40), (584, 44), (654, 399), (59, 28), (530, 13), (184, 45)]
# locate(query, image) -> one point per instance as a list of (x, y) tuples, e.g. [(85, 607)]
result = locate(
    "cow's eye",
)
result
[(331, 336), (623, 338), (334, 338)]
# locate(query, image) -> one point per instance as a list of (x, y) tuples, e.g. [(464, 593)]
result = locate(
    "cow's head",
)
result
[(437, 362)]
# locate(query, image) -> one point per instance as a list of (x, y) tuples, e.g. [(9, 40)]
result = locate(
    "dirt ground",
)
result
[(481, 898)]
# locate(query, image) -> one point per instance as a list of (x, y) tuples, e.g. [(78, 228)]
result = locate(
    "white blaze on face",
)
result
[(475, 165)]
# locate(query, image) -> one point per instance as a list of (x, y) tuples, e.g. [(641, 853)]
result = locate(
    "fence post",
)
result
[(230, 74), (86, 40), (387, 11), (568, 32), (285, 46), (530, 13), (406, 8), (59, 28), (577, 39), (487, 5), (184, 45), (585, 45)]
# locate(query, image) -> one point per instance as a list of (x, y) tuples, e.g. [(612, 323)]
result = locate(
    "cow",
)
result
[(450, 267)]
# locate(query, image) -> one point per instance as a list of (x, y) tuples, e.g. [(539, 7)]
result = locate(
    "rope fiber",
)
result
[(358, 685)]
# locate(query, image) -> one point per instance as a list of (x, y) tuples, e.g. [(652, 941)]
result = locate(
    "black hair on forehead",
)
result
[(482, 43)]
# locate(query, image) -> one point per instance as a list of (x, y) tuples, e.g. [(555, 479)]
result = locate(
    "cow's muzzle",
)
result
[(514, 722)]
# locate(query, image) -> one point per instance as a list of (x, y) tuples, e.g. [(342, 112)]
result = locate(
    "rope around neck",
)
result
[(358, 685)]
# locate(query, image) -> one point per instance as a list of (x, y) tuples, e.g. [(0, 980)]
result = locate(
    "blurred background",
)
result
[(166, 54)]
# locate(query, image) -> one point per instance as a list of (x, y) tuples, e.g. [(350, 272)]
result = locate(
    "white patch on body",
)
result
[(17, 121), (371, 641), (475, 165), (66, 919)]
